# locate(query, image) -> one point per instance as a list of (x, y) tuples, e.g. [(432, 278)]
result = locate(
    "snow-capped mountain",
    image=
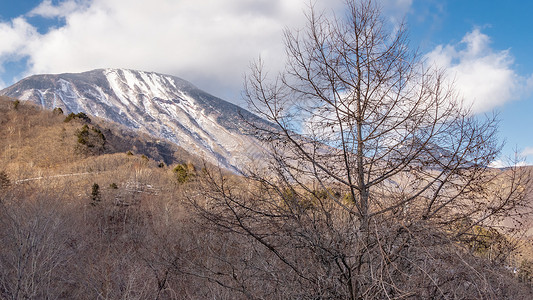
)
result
[(164, 106)]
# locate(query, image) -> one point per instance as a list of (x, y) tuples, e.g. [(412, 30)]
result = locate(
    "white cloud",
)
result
[(528, 151), (15, 35), (483, 76), (48, 10), (209, 42), (396, 10), (499, 164), (520, 160)]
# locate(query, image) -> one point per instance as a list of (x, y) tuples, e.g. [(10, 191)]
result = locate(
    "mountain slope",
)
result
[(35, 141), (163, 106)]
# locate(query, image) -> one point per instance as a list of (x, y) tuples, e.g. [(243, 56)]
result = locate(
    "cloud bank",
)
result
[(209, 42), (212, 42), (483, 76), (48, 10)]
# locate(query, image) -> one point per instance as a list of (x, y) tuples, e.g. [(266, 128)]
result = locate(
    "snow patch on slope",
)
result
[(161, 105)]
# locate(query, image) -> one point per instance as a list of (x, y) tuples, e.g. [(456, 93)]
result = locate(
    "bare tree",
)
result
[(35, 253), (379, 181)]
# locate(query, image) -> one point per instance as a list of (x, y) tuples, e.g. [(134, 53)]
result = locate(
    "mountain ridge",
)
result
[(164, 106)]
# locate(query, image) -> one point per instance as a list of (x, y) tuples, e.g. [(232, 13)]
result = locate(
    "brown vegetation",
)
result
[(384, 190), (112, 225), (93, 225), (383, 197)]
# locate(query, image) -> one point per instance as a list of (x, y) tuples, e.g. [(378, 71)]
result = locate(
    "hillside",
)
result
[(52, 153), (33, 140), (81, 222), (130, 216), (163, 106)]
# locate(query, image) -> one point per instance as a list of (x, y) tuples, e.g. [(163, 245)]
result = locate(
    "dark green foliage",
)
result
[(96, 197), (4, 180), (181, 173), (293, 200), (91, 140), (80, 116), (289, 195), (113, 186), (326, 193), (525, 272), (16, 104), (83, 135), (144, 157), (69, 117), (129, 153), (58, 111), (321, 194), (348, 198), (184, 172), (161, 165)]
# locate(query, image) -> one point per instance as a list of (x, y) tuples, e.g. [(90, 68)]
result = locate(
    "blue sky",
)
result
[(508, 25), (486, 45)]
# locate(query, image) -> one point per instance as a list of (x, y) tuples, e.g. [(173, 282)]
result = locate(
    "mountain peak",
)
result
[(164, 106)]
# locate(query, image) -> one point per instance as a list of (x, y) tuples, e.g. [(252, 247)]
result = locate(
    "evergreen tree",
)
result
[(96, 197)]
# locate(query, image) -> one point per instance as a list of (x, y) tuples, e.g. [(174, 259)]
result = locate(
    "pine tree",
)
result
[(96, 197), (4, 180)]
